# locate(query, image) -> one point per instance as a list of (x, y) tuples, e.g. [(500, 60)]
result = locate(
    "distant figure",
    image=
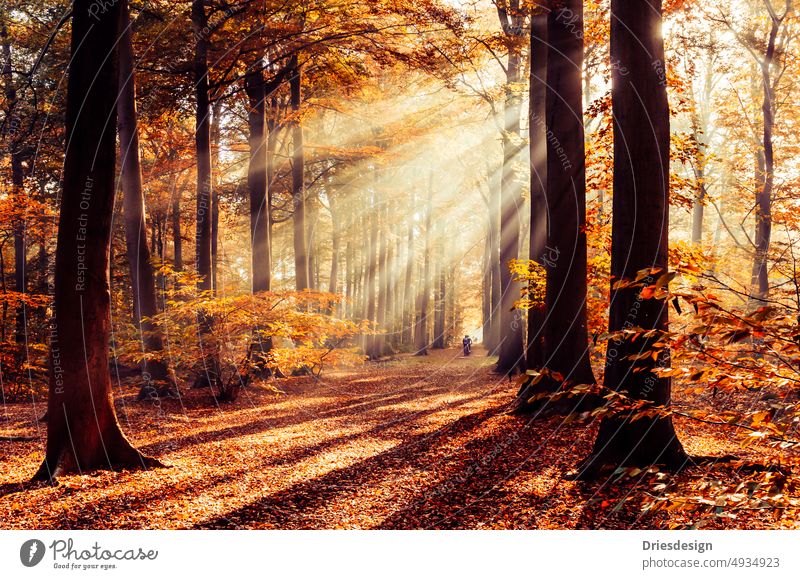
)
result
[(467, 342)]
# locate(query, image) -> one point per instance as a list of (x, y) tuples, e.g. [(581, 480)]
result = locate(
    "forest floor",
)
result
[(405, 443)]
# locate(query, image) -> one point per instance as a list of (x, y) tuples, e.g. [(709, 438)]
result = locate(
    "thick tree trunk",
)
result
[(157, 380), (298, 183), (261, 262), (639, 242), (566, 336), (82, 429)]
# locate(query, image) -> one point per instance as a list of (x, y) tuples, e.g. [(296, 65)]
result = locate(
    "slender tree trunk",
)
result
[(511, 350), (760, 276), (157, 380), (535, 358), (336, 236), (82, 429), (380, 345), (215, 137), (486, 286), (422, 336), (639, 241), (349, 280), (177, 239), (408, 288), (207, 371), (298, 183), (372, 270), (441, 293), (493, 341), (202, 147)]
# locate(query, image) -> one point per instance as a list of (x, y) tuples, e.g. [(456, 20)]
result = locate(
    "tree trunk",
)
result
[(421, 331), (408, 289), (380, 342), (215, 137), (82, 429), (535, 355), (261, 263), (760, 277), (371, 275), (566, 336), (486, 286), (639, 242), (496, 283), (512, 353), (441, 292), (336, 234), (157, 380), (298, 182), (177, 239), (203, 148)]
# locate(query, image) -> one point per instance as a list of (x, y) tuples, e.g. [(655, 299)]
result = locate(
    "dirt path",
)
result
[(411, 443)]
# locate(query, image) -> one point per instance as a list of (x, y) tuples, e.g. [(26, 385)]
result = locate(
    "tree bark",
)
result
[(82, 429), (639, 242)]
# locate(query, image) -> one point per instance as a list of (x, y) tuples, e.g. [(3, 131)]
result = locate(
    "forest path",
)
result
[(414, 442)]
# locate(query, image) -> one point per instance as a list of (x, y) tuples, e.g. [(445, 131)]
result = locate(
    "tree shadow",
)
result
[(294, 507)]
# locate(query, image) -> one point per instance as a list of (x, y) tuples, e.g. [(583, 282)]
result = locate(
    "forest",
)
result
[(399, 264)]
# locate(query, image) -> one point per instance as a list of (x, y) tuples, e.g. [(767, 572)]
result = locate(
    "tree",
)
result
[(157, 379), (512, 352), (639, 246), (298, 180), (537, 113), (203, 236), (82, 431)]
